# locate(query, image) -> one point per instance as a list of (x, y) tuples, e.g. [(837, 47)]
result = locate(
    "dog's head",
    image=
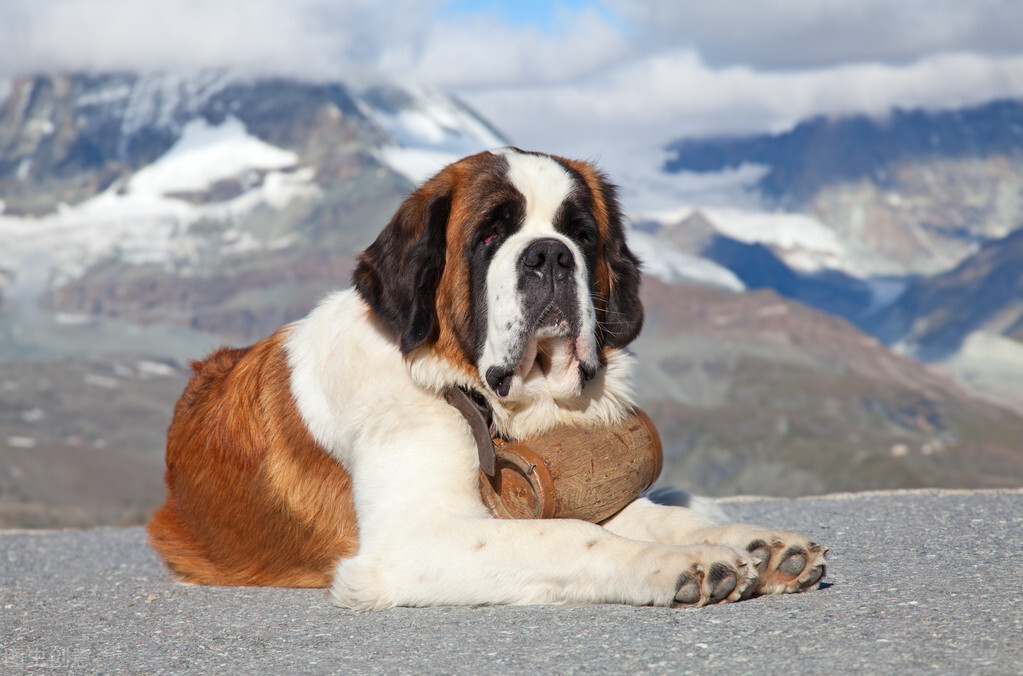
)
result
[(512, 269)]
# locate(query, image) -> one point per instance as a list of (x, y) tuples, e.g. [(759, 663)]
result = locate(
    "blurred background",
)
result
[(827, 196)]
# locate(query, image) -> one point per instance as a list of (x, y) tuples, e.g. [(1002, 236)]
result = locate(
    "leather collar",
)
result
[(476, 411)]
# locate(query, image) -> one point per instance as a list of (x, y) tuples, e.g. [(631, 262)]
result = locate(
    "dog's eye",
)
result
[(496, 225), (584, 235)]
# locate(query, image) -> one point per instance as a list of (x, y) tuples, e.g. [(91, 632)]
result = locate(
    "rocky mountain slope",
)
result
[(919, 190), (215, 202), (935, 315), (967, 321), (147, 219), (922, 210), (757, 394)]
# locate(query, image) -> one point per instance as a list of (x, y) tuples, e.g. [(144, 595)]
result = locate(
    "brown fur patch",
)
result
[(475, 188), (252, 499), (452, 303)]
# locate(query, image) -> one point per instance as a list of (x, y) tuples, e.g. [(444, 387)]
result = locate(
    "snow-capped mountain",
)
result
[(117, 190), (428, 130), (968, 321), (890, 223), (914, 193)]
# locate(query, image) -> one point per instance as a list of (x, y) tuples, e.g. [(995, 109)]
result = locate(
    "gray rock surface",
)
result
[(917, 581)]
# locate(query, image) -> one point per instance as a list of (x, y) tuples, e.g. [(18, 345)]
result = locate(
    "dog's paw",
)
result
[(786, 562), (713, 574)]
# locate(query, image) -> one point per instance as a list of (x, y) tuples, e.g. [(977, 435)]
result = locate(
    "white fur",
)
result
[(544, 184)]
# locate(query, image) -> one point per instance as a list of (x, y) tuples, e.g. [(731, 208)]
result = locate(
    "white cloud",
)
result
[(481, 51), (815, 33), (671, 94), (585, 85), (320, 38)]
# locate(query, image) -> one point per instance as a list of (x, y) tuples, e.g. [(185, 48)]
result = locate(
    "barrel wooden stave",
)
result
[(575, 472)]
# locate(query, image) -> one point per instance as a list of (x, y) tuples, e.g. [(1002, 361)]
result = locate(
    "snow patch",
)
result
[(645, 188), (415, 164), (104, 96), (105, 382), (803, 242), (982, 349), (148, 368), (429, 131), (142, 222), (884, 291), (672, 266), (990, 365), (168, 100), (207, 154), (73, 319)]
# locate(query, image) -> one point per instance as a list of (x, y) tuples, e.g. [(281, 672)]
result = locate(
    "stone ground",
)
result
[(917, 581)]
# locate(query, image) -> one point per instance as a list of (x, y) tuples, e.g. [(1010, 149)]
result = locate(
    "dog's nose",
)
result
[(548, 257)]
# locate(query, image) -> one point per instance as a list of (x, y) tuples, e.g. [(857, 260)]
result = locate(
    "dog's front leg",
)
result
[(425, 537), (786, 561), (471, 561)]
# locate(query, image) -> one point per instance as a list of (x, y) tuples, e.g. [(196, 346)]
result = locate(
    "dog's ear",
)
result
[(398, 274), (624, 308)]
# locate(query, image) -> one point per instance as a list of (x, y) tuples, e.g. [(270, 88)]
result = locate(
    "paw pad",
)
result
[(815, 576), (722, 581), (761, 552), (793, 561), (689, 590)]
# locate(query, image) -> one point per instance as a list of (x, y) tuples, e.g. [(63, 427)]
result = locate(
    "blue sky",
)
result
[(524, 13)]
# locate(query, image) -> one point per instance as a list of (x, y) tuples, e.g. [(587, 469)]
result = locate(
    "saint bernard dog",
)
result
[(327, 455)]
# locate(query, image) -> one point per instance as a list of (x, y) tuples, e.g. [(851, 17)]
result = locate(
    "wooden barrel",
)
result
[(574, 472)]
